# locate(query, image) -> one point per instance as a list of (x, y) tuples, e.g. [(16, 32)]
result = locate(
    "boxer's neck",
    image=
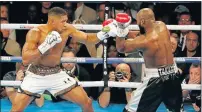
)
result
[(50, 27)]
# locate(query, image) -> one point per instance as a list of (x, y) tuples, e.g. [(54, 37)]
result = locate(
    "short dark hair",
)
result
[(57, 11), (68, 49)]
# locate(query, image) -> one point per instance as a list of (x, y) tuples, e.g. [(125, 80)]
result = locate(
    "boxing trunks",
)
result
[(160, 85), (39, 78)]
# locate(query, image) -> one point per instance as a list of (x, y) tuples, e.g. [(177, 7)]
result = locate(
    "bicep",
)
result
[(78, 35), (138, 43)]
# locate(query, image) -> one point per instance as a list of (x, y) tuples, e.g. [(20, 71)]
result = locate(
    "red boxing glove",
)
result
[(109, 29), (106, 22), (123, 21)]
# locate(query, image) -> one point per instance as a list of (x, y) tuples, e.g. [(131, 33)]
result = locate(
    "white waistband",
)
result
[(154, 72)]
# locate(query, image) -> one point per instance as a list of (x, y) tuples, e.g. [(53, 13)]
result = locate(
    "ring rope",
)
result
[(99, 27), (110, 84), (100, 60)]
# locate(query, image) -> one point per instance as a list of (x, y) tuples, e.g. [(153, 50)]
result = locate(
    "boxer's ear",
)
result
[(142, 22)]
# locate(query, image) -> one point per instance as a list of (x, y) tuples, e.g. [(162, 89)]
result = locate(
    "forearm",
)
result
[(92, 38), (104, 98), (120, 44), (133, 34), (30, 56)]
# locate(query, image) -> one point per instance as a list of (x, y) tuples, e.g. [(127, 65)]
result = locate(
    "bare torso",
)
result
[(158, 52), (53, 56)]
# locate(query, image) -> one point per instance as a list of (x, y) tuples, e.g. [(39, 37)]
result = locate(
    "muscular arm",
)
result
[(82, 37), (133, 34), (30, 52), (130, 45)]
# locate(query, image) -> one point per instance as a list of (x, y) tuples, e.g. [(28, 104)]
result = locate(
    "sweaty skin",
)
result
[(52, 57), (155, 43)]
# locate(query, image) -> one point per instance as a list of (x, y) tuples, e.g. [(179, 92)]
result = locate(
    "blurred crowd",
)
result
[(185, 43)]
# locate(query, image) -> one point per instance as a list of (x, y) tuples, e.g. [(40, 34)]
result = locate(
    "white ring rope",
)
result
[(110, 84), (99, 27)]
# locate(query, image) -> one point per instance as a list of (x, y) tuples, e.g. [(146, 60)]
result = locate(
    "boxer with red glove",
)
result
[(109, 29), (123, 21)]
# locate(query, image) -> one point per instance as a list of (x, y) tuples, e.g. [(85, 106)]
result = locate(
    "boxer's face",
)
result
[(140, 23), (68, 66), (60, 22)]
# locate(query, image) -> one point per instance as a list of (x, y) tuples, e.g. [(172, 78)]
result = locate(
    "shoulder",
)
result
[(161, 25), (34, 31)]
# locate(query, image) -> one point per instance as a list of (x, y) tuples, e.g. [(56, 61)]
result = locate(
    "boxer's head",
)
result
[(144, 19), (57, 19)]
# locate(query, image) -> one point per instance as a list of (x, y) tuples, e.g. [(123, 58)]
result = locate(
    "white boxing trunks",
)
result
[(57, 83)]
